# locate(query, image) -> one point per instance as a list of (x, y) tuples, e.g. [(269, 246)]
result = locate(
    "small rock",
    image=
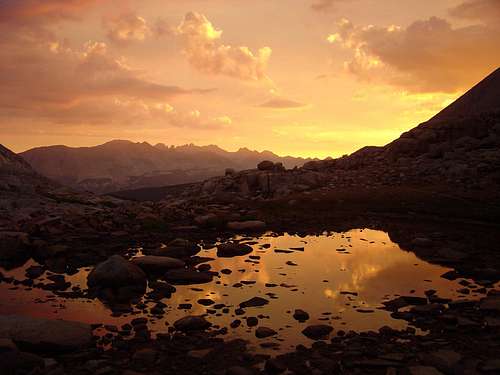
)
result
[(317, 332), (263, 332)]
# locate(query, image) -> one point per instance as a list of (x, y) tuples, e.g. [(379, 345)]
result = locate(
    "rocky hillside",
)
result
[(458, 150), (120, 165)]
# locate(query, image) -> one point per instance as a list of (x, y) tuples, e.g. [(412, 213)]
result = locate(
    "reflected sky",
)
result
[(315, 279)]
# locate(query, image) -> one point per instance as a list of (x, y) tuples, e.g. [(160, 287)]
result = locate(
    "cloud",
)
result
[(206, 53), (126, 28), (45, 79), (325, 5), (41, 11), (487, 11), (282, 103), (427, 56)]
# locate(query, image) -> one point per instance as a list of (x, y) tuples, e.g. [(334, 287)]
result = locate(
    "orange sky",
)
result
[(301, 77)]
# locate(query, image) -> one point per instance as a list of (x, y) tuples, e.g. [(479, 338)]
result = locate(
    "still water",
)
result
[(339, 279)]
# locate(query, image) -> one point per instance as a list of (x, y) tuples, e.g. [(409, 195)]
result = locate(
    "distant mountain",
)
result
[(119, 164)]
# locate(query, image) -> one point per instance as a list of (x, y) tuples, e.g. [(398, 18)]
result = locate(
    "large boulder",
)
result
[(116, 272), (152, 263), (44, 334)]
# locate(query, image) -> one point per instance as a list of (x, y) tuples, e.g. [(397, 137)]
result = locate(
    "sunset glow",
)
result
[(307, 78)]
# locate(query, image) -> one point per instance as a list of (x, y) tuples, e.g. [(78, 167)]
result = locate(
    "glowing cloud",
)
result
[(205, 52)]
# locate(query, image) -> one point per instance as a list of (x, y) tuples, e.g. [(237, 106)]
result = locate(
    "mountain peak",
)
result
[(483, 97)]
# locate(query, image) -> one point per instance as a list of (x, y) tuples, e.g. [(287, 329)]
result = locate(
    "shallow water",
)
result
[(362, 261)]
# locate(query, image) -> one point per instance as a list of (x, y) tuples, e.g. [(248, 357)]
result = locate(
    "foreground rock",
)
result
[(44, 334), (317, 332), (116, 272), (178, 248), (233, 249), (157, 263), (192, 323)]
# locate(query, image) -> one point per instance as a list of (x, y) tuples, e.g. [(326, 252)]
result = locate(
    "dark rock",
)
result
[(300, 315), (317, 332), (232, 249), (265, 165), (192, 323), (183, 276), (263, 332), (116, 272), (254, 302)]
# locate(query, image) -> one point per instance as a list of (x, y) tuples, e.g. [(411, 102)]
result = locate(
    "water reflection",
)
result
[(338, 278)]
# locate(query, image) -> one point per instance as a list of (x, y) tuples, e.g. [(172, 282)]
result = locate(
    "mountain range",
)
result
[(121, 165)]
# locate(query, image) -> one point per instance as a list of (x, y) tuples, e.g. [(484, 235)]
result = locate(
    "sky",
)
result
[(311, 78)]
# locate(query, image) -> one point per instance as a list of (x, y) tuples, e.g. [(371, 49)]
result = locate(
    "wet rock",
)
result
[(404, 301), (317, 332), (154, 263), (192, 323), (247, 226), (34, 272), (300, 315), (232, 249), (252, 321), (116, 272), (45, 334), (178, 248), (206, 301), (263, 332), (254, 302), (183, 276)]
